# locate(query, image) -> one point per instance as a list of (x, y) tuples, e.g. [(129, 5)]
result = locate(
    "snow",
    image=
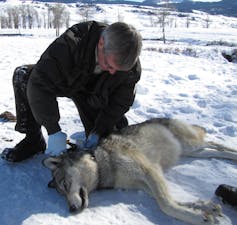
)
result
[(185, 79)]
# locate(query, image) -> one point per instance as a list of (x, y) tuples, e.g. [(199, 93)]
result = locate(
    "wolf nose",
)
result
[(73, 209)]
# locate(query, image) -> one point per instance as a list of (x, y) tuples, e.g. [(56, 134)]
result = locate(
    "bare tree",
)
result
[(49, 17), (9, 18), (120, 16), (153, 15), (58, 11), (67, 18), (31, 13), (15, 17), (85, 10), (162, 20), (163, 15), (20, 16), (44, 20), (188, 21), (37, 19), (3, 21), (23, 12), (207, 21)]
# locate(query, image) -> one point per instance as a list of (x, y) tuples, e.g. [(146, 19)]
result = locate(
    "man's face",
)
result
[(106, 62)]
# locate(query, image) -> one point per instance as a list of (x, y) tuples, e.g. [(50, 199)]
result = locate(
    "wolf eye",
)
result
[(66, 184)]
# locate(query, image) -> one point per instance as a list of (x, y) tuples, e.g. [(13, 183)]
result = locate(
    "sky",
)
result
[(187, 78)]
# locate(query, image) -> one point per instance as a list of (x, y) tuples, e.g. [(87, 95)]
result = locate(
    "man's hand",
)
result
[(56, 143), (91, 142)]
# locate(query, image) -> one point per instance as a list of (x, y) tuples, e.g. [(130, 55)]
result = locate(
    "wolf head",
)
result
[(75, 174)]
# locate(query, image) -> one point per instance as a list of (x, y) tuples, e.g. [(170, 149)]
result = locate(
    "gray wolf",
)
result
[(136, 157)]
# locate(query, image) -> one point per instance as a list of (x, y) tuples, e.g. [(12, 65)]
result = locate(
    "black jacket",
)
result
[(66, 68)]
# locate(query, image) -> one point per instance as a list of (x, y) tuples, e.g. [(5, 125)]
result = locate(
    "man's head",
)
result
[(119, 47)]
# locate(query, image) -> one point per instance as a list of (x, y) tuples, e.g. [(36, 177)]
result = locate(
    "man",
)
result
[(94, 64)]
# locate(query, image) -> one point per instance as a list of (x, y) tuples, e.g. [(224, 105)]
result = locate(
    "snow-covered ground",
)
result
[(183, 79)]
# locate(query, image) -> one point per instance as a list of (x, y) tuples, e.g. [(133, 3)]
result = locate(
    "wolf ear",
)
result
[(51, 163)]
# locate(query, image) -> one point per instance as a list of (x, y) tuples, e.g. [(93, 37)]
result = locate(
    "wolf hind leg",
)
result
[(212, 211), (220, 147), (214, 150), (154, 184)]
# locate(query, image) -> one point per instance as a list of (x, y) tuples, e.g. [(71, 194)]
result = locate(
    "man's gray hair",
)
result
[(123, 41)]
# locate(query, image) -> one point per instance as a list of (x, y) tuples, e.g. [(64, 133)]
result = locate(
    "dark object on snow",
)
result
[(227, 193), (231, 56), (8, 116)]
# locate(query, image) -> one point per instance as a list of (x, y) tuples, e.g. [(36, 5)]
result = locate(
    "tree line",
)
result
[(45, 16), (56, 15), (26, 16)]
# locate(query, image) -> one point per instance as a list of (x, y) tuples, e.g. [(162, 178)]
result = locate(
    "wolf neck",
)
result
[(106, 169)]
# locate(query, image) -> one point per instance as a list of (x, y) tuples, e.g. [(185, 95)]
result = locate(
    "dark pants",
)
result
[(87, 116), (26, 122)]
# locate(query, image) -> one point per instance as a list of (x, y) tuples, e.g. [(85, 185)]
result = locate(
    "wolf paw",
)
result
[(210, 211)]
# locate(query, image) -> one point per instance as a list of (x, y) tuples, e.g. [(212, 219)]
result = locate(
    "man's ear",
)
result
[(52, 163)]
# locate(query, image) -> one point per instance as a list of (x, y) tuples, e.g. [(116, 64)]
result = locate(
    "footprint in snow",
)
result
[(186, 109), (183, 94), (229, 131), (202, 103), (193, 77)]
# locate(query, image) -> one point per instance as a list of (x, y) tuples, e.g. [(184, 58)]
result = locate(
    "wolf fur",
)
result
[(136, 158)]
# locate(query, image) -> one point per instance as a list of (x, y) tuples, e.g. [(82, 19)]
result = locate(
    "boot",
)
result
[(227, 193), (25, 149)]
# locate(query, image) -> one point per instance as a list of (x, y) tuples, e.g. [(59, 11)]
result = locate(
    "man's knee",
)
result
[(21, 75)]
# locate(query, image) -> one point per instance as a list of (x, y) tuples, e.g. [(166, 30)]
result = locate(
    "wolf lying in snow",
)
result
[(135, 158)]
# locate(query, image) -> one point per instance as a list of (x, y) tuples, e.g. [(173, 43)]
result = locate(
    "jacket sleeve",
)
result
[(49, 72), (120, 100)]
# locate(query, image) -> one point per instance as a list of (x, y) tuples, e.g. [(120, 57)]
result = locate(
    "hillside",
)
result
[(224, 7)]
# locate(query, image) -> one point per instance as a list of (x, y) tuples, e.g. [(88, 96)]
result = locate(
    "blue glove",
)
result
[(56, 143), (91, 142)]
